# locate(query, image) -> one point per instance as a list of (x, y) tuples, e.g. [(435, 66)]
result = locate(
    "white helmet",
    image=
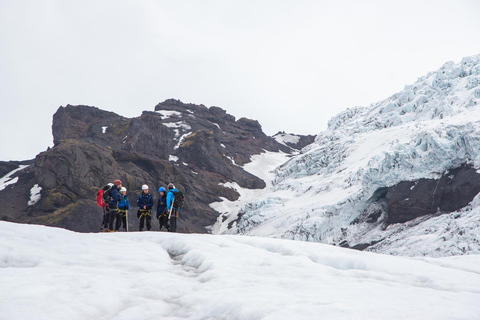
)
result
[(144, 187), (110, 184), (123, 189)]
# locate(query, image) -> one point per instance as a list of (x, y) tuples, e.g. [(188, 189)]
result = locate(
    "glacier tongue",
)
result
[(323, 193)]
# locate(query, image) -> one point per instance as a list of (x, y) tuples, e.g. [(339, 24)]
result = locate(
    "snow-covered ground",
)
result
[(428, 128), (48, 273), (287, 139), (261, 165)]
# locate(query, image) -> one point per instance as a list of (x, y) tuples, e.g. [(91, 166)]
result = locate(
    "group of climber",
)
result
[(114, 201)]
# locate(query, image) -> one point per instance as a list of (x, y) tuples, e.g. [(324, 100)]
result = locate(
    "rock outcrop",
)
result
[(409, 200)]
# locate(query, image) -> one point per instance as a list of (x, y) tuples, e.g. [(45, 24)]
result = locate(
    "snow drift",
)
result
[(324, 194), (49, 273)]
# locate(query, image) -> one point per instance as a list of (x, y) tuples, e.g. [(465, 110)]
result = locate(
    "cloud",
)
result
[(290, 64)]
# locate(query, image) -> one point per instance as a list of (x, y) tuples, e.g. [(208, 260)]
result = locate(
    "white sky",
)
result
[(292, 65)]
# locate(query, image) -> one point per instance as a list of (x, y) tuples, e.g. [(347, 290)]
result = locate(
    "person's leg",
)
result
[(124, 222), (160, 221), (107, 218), (173, 222), (142, 223), (113, 212), (165, 221), (103, 220), (149, 222), (118, 222)]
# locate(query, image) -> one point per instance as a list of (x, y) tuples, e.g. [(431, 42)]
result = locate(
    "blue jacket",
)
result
[(162, 205), (170, 196), (145, 200), (116, 196), (124, 204)]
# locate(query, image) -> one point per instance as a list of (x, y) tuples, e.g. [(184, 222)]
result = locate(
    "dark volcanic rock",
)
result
[(8, 166), (453, 191), (81, 122), (93, 147), (238, 140)]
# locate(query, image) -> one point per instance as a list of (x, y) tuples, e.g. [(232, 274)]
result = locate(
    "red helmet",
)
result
[(117, 182)]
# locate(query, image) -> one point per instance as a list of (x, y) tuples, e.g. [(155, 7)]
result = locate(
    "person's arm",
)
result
[(115, 196), (127, 204), (149, 204), (139, 201), (169, 200), (158, 206)]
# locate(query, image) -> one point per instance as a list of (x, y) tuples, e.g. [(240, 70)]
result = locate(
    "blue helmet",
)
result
[(162, 189)]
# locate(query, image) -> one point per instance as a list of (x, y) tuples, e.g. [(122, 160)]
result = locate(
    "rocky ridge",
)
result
[(197, 148)]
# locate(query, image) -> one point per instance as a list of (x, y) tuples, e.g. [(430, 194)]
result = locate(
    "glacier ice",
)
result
[(420, 132)]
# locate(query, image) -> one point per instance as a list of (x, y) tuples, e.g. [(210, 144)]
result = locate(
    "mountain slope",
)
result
[(395, 177), (49, 273), (198, 148)]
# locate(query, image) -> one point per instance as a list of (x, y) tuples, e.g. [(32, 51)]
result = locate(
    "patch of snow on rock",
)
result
[(165, 114), (287, 138), (7, 180), (35, 195)]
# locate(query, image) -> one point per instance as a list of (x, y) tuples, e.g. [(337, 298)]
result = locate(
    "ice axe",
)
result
[(171, 208), (126, 219)]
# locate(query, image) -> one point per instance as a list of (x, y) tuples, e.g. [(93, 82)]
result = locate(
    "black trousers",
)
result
[(122, 219), (124, 222), (114, 219), (106, 217), (103, 218), (163, 220), (173, 221), (145, 216)]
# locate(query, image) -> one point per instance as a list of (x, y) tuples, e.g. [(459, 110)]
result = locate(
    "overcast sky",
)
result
[(292, 65)]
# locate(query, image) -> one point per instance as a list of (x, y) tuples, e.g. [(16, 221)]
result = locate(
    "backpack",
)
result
[(106, 194), (103, 196), (100, 202), (178, 199)]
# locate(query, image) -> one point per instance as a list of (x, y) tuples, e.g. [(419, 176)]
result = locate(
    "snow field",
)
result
[(262, 166), (49, 273)]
